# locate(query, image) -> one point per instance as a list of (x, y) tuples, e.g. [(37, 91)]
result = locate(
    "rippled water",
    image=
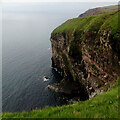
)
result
[(27, 53)]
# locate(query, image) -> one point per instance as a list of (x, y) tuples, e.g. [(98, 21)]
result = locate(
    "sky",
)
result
[(24, 1)]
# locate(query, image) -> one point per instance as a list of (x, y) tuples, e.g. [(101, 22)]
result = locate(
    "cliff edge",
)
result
[(86, 52), (100, 10)]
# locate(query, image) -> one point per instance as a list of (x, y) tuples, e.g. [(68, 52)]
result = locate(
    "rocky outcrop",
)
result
[(87, 59)]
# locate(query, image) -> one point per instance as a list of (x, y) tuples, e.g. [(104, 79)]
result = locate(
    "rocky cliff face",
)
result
[(86, 51)]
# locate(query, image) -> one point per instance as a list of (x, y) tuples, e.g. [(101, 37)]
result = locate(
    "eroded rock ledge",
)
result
[(86, 55)]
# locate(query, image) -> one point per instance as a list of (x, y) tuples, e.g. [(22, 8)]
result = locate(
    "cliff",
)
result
[(86, 52), (100, 10)]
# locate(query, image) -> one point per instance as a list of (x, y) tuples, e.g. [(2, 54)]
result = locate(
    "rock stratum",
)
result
[(86, 52)]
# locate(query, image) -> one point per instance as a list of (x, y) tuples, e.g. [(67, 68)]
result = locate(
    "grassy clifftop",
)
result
[(91, 23), (100, 10), (104, 105)]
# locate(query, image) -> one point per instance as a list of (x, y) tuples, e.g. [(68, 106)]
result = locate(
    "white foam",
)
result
[(48, 48), (45, 79)]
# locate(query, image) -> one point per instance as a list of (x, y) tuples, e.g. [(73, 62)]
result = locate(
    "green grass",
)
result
[(104, 105), (73, 24), (112, 24), (88, 24)]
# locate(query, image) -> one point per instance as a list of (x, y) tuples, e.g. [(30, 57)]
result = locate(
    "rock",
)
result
[(52, 88), (47, 77), (106, 76), (71, 101)]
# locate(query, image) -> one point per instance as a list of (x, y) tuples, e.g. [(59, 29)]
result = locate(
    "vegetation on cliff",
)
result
[(104, 105), (92, 23)]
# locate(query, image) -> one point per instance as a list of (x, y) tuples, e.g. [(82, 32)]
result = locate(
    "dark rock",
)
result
[(47, 77)]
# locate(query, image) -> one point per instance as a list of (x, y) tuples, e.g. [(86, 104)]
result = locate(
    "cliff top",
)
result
[(96, 23), (100, 10)]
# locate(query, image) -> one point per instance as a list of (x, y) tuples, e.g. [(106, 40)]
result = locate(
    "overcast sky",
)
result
[(23, 1)]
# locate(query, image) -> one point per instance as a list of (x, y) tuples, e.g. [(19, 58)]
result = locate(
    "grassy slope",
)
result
[(92, 23), (104, 105), (99, 10)]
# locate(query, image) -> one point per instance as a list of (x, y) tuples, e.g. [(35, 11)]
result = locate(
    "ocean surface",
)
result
[(26, 52)]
